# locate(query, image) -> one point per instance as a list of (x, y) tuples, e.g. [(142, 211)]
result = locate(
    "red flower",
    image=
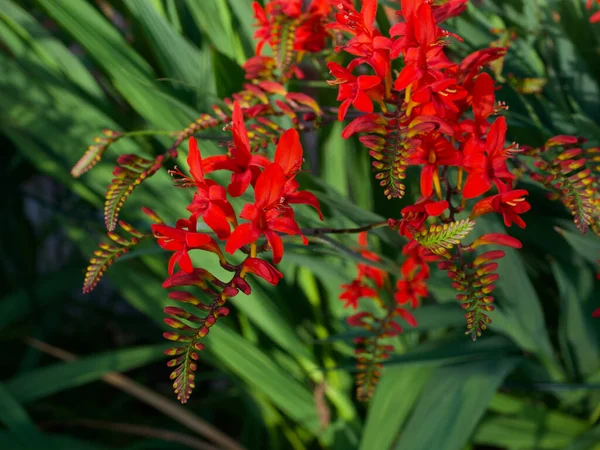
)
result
[(357, 91), (289, 153), (483, 100), (374, 274), (210, 200), (509, 204), (438, 97), (262, 269), (596, 313), (487, 165), (181, 240), (414, 216), (289, 156), (355, 291), (411, 288), (263, 27), (406, 315), (268, 215), (434, 151), (367, 44), (311, 35), (244, 165)]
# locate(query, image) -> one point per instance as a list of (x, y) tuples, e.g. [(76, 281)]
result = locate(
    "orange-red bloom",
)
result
[(486, 164), (268, 216), (356, 91), (434, 151), (509, 204), (181, 239), (414, 216), (210, 200), (244, 165), (355, 291)]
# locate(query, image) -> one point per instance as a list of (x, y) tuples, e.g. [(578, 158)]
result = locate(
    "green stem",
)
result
[(150, 133)]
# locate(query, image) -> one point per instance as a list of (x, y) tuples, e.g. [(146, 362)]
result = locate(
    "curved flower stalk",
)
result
[(269, 215), (572, 175), (374, 284)]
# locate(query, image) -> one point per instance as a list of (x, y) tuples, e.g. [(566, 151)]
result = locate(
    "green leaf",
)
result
[(180, 59), (452, 404), (586, 441), (334, 160), (579, 342), (48, 290), (394, 399), (13, 415), (587, 247), (50, 51), (254, 367), (519, 311), (49, 380), (214, 20)]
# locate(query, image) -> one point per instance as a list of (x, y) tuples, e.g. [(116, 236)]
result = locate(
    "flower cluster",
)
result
[(374, 284), (594, 18), (435, 114), (270, 215), (289, 28)]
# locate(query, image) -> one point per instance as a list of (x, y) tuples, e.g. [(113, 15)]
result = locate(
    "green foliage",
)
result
[(278, 373), (441, 238)]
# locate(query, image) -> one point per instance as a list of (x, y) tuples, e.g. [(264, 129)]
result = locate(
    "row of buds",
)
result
[(94, 152)]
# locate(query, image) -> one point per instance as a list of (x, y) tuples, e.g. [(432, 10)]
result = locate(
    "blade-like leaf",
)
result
[(54, 378), (452, 404)]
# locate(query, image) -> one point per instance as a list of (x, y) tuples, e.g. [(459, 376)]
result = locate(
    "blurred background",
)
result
[(87, 371)]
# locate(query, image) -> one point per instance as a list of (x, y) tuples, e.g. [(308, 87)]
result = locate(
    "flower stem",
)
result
[(321, 231)]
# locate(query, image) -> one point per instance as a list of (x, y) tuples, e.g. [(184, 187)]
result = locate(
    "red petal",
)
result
[(368, 81), (408, 74), (289, 152), (269, 186), (497, 238), (240, 134), (276, 245), (184, 261), (216, 219), (369, 11), (202, 241), (239, 183), (343, 110), (220, 162), (305, 198), (427, 179), (407, 316), (284, 225), (436, 208), (194, 161), (362, 102), (561, 139), (262, 269), (483, 96), (482, 207), (496, 137), (425, 26), (477, 184), (243, 235)]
